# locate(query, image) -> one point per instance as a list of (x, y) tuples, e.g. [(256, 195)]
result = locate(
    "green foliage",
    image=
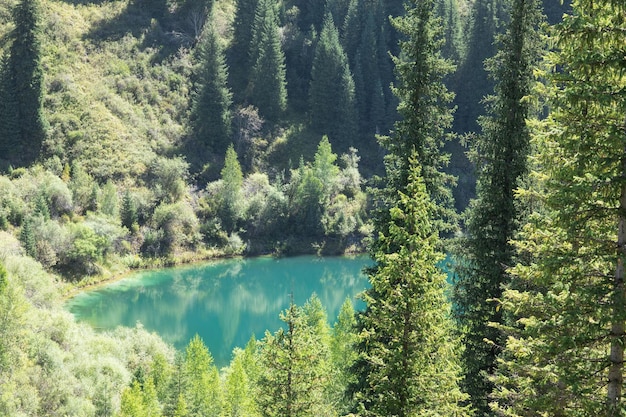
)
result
[(293, 368), (231, 207), (109, 201), (210, 116), (331, 94), (267, 89), (239, 400), (500, 155), (174, 229), (169, 178), (406, 344), (86, 250), (24, 126), (564, 351), (201, 387), (426, 115), (343, 355), (128, 213)]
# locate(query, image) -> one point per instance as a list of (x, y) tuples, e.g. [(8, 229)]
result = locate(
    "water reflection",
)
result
[(225, 302)]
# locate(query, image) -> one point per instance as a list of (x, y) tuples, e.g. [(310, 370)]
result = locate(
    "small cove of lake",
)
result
[(225, 302)]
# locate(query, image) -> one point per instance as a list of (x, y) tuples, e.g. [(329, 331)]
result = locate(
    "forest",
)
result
[(146, 133)]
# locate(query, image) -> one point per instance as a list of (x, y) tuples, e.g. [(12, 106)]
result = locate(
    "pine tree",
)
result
[(267, 88), (564, 354), (211, 107), (22, 79), (331, 94), (27, 237), (499, 155), (408, 359)]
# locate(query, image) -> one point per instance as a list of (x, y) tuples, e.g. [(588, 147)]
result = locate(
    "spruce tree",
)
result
[(331, 94), (267, 88), (425, 115), (211, 106), (565, 353), (238, 54), (500, 156), (22, 84), (408, 357)]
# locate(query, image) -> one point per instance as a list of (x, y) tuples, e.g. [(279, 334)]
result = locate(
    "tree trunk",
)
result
[(616, 377)]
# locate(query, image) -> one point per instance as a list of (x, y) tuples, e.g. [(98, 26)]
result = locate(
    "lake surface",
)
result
[(225, 302)]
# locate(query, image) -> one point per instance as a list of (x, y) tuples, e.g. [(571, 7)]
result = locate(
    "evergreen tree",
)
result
[(499, 155), (128, 213), (27, 237), (210, 110), (22, 83), (267, 89), (232, 180), (239, 58), (564, 355), (343, 355), (331, 94), (425, 112), (292, 379), (408, 359)]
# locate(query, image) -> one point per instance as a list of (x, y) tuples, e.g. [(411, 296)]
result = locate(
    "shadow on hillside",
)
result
[(149, 20)]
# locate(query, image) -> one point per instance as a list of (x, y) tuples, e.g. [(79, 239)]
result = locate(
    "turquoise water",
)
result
[(225, 302)]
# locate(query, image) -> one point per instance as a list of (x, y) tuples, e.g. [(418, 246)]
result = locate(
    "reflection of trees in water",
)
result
[(226, 302)]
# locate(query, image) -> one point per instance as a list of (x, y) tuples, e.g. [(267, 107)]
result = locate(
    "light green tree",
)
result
[(292, 375), (564, 354), (201, 384), (231, 206), (239, 400)]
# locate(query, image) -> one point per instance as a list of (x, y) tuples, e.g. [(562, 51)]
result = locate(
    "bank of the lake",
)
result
[(224, 301)]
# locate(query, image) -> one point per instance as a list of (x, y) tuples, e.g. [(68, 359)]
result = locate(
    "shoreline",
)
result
[(70, 290)]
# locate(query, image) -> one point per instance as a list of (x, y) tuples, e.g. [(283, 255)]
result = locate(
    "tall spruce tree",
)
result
[(331, 95), (425, 114), (565, 353), (238, 53), (267, 88), (500, 155), (23, 126), (211, 107), (406, 343)]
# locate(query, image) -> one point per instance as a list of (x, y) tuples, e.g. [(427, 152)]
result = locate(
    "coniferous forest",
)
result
[(488, 133)]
